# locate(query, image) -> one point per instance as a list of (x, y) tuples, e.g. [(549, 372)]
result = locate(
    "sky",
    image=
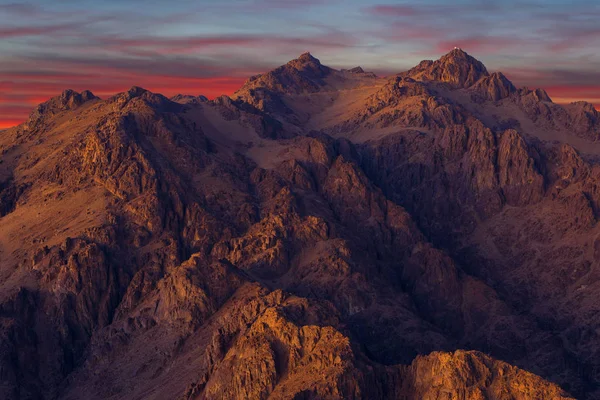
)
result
[(210, 47)]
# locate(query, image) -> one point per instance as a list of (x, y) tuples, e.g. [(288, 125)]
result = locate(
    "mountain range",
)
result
[(320, 234)]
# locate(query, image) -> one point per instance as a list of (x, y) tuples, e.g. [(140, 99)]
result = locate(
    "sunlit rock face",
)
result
[(457, 68)]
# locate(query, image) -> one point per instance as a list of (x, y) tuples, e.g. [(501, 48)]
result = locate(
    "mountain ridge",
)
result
[(330, 234)]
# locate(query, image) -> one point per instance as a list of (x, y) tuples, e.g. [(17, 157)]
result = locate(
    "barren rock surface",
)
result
[(322, 234)]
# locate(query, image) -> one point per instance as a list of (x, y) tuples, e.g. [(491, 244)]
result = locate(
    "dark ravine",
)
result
[(320, 234)]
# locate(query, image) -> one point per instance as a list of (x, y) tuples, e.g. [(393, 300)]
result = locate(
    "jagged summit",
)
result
[(459, 56), (309, 66), (132, 93), (306, 57), (188, 99), (356, 70), (67, 100), (458, 53), (456, 68), (537, 94), (300, 75), (135, 91), (137, 97), (70, 98), (495, 86)]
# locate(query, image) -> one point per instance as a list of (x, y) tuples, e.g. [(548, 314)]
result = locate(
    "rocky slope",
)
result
[(322, 234)]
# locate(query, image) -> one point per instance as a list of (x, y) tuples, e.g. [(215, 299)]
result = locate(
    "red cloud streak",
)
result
[(569, 94), (9, 123)]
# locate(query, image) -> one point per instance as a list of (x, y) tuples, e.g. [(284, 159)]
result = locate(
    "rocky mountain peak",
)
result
[(460, 57), (456, 67), (457, 52), (500, 77), (356, 70), (308, 64), (495, 86), (536, 94), (304, 74), (67, 100), (585, 115), (135, 91), (137, 97), (585, 106), (188, 99), (70, 99), (307, 57), (359, 71)]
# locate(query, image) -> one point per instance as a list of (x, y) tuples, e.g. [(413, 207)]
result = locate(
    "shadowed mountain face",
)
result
[(321, 234)]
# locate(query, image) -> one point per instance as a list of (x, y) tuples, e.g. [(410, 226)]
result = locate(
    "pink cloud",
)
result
[(193, 44), (393, 10), (31, 31)]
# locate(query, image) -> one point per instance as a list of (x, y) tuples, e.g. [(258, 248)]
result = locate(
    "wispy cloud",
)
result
[(20, 9)]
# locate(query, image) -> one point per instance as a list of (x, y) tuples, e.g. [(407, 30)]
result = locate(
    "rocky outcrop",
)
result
[(472, 375), (494, 87), (518, 177), (68, 100), (189, 99), (9, 194)]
